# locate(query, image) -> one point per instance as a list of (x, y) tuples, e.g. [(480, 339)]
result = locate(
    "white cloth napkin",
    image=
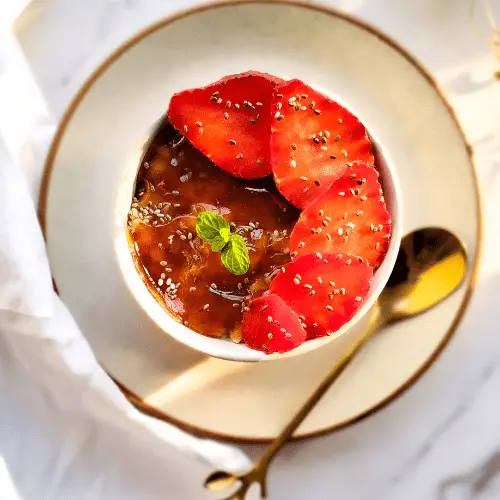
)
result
[(66, 432)]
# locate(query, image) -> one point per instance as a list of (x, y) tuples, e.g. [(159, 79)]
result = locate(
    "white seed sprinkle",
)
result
[(293, 163), (206, 306), (269, 319), (160, 282), (329, 308), (340, 231), (270, 336), (358, 299)]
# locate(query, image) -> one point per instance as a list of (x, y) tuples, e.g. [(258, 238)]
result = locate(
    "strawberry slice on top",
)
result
[(229, 121), (312, 140), (349, 217), (325, 290), (271, 326)]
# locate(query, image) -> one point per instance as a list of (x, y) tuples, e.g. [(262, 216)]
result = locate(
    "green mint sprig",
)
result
[(215, 230)]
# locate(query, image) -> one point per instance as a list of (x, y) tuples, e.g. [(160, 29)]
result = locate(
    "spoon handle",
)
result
[(376, 321)]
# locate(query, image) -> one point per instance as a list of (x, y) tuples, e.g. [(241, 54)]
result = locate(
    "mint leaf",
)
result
[(210, 224), (218, 243), (235, 255)]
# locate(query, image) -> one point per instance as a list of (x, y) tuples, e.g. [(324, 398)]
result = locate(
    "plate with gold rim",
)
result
[(100, 142)]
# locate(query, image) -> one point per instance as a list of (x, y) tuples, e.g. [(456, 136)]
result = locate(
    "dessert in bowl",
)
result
[(264, 219)]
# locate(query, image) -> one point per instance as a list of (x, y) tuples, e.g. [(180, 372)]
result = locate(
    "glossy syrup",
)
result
[(176, 182)]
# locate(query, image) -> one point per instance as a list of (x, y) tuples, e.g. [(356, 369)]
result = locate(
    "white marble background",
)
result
[(442, 439)]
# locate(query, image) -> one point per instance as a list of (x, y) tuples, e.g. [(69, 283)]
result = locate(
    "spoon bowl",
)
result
[(430, 266)]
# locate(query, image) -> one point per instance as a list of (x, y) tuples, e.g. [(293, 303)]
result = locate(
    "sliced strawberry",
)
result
[(325, 290), (312, 140), (271, 326), (349, 217), (229, 121)]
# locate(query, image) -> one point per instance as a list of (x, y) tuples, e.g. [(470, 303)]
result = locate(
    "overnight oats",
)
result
[(258, 216)]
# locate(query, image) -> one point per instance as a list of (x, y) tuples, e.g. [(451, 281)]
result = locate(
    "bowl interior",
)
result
[(225, 348)]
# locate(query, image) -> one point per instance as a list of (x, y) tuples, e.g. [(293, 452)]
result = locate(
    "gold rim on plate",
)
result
[(71, 109)]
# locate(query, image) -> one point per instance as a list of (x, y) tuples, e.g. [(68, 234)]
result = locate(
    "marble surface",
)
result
[(441, 440)]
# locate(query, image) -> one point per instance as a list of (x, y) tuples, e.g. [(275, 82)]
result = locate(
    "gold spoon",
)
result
[(431, 264)]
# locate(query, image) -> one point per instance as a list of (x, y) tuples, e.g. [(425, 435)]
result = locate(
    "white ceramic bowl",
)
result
[(225, 348)]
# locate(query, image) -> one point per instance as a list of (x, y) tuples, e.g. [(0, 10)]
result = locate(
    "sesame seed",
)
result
[(293, 163), (312, 292), (277, 115), (301, 244), (236, 304), (350, 224), (169, 269), (329, 308), (237, 106), (342, 291), (239, 156), (303, 178), (192, 289), (338, 256), (206, 306), (280, 117), (293, 254), (213, 285), (377, 245), (226, 116), (264, 307), (259, 104), (328, 236), (160, 282), (240, 286), (339, 231), (363, 198), (344, 152), (341, 193), (163, 263), (317, 111), (169, 281), (308, 286), (288, 335), (292, 99), (283, 270), (358, 299), (270, 336), (219, 100), (316, 140), (318, 255), (319, 280), (269, 319), (228, 104), (294, 146), (312, 104), (296, 281), (348, 262)]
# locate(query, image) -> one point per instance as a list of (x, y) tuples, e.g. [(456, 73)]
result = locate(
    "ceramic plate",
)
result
[(96, 153)]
